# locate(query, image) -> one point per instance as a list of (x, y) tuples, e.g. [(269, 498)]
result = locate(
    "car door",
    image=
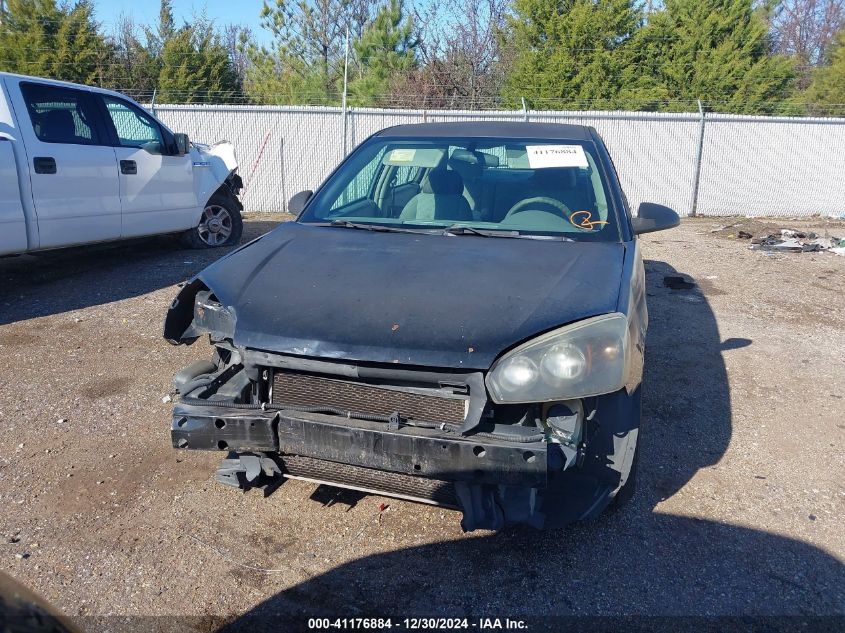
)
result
[(156, 185), (12, 223), (71, 165)]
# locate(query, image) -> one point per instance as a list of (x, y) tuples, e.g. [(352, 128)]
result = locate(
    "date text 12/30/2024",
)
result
[(417, 624)]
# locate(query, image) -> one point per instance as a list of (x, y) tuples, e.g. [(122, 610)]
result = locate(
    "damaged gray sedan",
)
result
[(457, 317)]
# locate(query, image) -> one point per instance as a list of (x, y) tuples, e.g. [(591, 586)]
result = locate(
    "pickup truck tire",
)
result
[(220, 225)]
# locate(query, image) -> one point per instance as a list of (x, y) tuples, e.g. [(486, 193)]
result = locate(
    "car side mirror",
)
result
[(297, 203), (182, 143), (654, 217)]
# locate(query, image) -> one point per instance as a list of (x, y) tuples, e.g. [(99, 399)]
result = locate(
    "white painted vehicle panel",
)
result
[(12, 224), (81, 165)]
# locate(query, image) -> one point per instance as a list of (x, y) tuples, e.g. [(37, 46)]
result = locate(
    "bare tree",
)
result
[(460, 55), (806, 29), (237, 37), (132, 68)]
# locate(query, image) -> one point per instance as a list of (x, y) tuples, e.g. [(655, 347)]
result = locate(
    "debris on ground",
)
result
[(767, 237), (677, 283), (791, 241)]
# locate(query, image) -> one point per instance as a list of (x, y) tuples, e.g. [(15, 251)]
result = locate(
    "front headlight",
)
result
[(582, 359)]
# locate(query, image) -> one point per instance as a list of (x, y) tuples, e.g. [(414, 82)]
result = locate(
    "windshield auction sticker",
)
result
[(541, 156)]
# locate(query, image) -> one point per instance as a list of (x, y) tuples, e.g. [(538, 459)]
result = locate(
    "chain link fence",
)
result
[(698, 164)]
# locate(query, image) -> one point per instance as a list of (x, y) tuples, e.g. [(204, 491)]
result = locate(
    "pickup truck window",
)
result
[(60, 115), (133, 127)]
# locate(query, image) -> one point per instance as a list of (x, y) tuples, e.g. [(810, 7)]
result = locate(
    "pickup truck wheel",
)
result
[(220, 225)]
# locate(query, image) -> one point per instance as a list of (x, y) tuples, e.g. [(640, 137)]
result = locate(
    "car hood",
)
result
[(431, 300)]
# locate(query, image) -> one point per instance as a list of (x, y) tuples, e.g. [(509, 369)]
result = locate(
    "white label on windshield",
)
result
[(540, 156), (402, 155)]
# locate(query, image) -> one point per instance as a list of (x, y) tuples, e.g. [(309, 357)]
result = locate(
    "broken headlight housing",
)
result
[(211, 317), (587, 358)]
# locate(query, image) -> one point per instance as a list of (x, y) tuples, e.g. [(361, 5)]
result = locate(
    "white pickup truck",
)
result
[(81, 165)]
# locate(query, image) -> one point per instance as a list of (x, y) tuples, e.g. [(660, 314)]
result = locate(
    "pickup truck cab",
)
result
[(80, 165)]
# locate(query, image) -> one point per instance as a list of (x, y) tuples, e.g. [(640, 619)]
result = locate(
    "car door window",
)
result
[(61, 115), (134, 128), (360, 188)]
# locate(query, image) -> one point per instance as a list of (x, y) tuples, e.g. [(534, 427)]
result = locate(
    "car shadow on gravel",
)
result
[(59, 281), (634, 560)]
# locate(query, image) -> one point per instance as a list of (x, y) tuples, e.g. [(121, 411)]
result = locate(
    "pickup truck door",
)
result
[(72, 167), (12, 223), (156, 185)]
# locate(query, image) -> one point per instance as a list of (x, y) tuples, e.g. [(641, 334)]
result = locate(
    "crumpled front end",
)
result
[(424, 434), (214, 166)]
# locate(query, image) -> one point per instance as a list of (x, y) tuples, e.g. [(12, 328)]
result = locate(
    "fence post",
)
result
[(345, 82), (282, 163), (694, 203), (524, 110)]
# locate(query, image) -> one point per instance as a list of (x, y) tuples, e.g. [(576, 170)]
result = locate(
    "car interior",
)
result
[(456, 184)]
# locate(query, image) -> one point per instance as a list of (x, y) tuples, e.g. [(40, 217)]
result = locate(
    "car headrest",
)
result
[(444, 182), (57, 125), (558, 177)]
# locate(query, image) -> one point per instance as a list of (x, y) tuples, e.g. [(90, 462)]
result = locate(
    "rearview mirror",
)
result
[(654, 217), (182, 143), (298, 202)]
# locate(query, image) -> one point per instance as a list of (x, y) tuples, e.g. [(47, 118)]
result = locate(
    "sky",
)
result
[(243, 12)]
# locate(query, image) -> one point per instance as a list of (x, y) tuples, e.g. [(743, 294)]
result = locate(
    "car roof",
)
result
[(492, 129)]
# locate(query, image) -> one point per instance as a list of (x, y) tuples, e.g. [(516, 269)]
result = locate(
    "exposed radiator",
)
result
[(309, 390), (371, 480)]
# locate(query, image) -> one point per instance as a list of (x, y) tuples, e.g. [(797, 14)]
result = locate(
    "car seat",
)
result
[(441, 198)]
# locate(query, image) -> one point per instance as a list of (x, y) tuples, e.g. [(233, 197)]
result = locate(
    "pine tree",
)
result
[(44, 39), (195, 67), (826, 94), (568, 53), (718, 51), (384, 51), (80, 48), (192, 61), (304, 63)]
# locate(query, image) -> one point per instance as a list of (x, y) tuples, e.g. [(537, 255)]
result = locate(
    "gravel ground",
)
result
[(739, 510)]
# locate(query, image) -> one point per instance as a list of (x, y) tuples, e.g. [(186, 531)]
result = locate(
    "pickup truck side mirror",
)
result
[(182, 143), (654, 217), (297, 203)]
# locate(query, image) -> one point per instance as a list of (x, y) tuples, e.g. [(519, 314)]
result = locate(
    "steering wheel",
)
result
[(537, 203)]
